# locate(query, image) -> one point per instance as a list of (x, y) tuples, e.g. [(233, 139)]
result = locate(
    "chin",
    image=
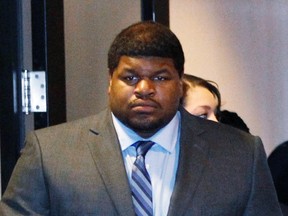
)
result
[(146, 124)]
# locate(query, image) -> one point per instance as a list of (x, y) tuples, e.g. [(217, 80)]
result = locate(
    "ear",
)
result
[(181, 87), (110, 82)]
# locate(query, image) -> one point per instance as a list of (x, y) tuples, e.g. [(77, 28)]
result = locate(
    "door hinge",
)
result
[(34, 91)]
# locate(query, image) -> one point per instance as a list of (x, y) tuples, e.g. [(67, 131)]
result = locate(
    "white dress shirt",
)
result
[(161, 160)]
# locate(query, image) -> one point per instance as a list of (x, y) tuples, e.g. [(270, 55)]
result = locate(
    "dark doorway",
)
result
[(47, 27), (156, 10), (48, 55)]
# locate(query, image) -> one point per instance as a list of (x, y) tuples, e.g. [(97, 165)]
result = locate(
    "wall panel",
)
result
[(243, 46)]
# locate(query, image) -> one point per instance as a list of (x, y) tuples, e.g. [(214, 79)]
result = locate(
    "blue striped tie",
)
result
[(141, 184)]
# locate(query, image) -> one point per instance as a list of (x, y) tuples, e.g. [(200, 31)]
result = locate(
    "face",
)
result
[(201, 102), (144, 93)]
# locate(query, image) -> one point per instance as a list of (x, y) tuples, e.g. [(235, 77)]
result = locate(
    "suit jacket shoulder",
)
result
[(74, 168), (224, 171)]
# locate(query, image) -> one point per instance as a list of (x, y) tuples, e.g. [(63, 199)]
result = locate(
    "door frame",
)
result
[(48, 55), (47, 20)]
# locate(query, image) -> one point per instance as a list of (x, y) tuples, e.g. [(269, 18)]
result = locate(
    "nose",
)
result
[(144, 88)]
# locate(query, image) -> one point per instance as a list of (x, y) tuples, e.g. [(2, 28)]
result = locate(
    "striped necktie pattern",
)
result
[(141, 184)]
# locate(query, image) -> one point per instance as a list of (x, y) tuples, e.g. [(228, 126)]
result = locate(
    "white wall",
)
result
[(243, 46), (90, 27)]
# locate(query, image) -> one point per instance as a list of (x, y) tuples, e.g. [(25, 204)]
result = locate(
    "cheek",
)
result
[(120, 93), (172, 95), (212, 117), (177, 91)]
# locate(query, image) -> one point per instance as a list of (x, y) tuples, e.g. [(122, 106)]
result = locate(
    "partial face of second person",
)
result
[(201, 102), (144, 93)]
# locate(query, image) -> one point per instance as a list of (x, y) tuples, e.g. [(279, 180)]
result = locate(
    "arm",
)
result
[(263, 199), (26, 193)]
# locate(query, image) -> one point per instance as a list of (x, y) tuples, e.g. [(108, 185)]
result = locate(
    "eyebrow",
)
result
[(165, 70), (206, 107), (155, 73), (128, 70)]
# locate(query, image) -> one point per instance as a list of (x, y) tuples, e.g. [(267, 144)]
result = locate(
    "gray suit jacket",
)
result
[(77, 169)]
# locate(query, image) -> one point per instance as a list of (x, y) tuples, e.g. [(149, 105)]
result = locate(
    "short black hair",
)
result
[(144, 39)]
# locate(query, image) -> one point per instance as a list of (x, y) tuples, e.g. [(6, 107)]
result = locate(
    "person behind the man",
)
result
[(184, 166), (201, 97)]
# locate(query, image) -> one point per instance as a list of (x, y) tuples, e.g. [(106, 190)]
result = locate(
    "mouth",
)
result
[(144, 107)]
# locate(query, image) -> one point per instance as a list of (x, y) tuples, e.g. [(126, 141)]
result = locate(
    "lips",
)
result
[(144, 107)]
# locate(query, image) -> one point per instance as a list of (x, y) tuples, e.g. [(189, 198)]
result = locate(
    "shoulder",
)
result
[(70, 133), (76, 126), (220, 136)]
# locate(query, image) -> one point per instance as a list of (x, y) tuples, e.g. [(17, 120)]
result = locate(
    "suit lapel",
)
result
[(192, 162), (106, 152)]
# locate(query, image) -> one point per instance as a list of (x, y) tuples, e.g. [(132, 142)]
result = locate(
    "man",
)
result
[(194, 167)]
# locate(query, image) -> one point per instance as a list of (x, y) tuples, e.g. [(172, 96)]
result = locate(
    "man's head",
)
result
[(146, 65), (146, 39)]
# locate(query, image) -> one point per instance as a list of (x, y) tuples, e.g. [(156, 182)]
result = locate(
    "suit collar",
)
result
[(165, 137), (105, 149), (193, 159)]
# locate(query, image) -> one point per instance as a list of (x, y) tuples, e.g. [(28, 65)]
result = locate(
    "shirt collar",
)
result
[(167, 137)]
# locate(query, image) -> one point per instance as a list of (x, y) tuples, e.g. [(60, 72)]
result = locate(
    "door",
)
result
[(25, 45), (32, 38)]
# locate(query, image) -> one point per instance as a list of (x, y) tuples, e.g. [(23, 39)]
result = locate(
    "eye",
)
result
[(130, 79), (204, 116), (160, 78)]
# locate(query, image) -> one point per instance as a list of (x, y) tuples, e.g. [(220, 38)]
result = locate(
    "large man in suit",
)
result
[(196, 167)]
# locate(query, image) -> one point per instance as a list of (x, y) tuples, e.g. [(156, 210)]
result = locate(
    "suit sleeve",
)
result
[(263, 199), (26, 193)]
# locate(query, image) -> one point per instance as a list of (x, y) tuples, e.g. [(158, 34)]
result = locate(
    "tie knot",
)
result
[(142, 147)]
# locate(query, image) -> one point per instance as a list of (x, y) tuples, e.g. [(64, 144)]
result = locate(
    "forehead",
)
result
[(147, 63), (199, 96)]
